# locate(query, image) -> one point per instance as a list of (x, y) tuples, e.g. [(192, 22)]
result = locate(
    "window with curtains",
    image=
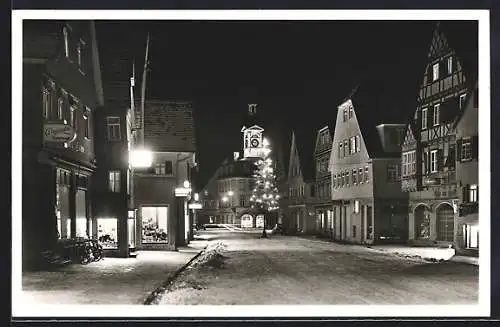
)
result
[(435, 115), (434, 161), (466, 149), (424, 118), (114, 181), (113, 127), (449, 62), (435, 72)]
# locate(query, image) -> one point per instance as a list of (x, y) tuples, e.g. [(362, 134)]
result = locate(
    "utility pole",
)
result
[(143, 88)]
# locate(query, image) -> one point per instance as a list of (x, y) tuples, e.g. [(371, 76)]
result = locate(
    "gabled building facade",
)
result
[(62, 90), (368, 204), (162, 217), (300, 214), (429, 149), (467, 170), (322, 184)]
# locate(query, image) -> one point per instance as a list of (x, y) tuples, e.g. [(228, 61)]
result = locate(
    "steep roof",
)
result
[(169, 126), (462, 37), (305, 138), (373, 105)]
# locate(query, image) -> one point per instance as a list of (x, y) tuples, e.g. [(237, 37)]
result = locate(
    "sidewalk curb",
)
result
[(161, 289)]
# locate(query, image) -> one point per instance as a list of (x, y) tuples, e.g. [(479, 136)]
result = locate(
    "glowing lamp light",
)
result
[(140, 158), (186, 184), (265, 142), (224, 199), (196, 196), (230, 193)]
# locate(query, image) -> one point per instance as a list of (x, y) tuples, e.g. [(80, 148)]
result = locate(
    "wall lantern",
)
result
[(140, 158)]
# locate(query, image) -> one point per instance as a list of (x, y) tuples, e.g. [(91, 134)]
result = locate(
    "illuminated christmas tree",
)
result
[(265, 194)]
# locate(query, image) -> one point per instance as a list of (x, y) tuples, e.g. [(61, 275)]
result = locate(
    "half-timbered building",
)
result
[(322, 184), (429, 148)]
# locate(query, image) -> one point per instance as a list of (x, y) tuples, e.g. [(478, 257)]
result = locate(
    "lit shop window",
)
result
[(356, 206), (259, 221), (107, 232), (471, 236), (154, 224), (81, 218), (246, 221)]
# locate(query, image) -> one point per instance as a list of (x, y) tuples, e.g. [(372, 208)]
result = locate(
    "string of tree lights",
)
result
[(265, 194)]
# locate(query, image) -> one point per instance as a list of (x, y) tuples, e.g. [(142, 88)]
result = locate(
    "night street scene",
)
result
[(250, 162)]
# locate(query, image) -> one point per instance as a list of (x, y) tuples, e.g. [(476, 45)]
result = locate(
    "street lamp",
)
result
[(140, 158)]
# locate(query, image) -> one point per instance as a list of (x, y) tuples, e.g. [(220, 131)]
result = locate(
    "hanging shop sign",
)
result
[(182, 191), (58, 133), (195, 206)]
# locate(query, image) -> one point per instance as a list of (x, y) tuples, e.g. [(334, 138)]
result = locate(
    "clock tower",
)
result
[(253, 138)]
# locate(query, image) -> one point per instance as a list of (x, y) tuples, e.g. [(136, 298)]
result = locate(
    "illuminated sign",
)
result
[(182, 191), (195, 206), (58, 133)]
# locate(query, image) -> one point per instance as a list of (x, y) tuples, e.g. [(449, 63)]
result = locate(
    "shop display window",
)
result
[(154, 224), (107, 232), (259, 222), (246, 221), (81, 227)]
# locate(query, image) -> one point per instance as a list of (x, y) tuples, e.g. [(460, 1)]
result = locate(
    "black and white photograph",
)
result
[(251, 163)]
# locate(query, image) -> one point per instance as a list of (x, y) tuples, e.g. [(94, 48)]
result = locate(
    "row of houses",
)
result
[(377, 174), (79, 131)]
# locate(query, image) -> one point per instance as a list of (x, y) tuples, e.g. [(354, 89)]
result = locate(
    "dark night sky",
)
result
[(297, 72)]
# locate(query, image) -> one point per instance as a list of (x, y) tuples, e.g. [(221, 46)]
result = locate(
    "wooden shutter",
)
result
[(440, 160), (474, 147), (168, 167), (443, 69)]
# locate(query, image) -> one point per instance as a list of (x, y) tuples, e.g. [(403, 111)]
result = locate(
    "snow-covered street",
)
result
[(239, 268)]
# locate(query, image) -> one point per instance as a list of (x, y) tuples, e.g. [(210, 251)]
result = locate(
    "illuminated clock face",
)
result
[(254, 143)]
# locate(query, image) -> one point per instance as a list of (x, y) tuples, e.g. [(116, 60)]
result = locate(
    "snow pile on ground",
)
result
[(211, 257), (432, 254)]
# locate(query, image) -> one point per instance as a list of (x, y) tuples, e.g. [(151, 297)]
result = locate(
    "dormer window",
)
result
[(435, 72)]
